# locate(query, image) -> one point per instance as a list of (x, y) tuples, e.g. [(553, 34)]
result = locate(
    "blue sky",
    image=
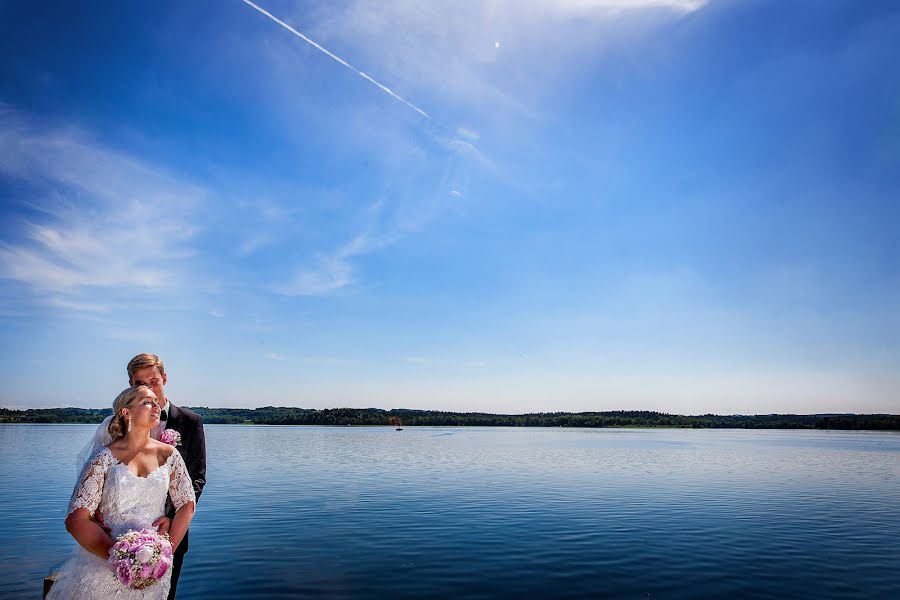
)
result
[(687, 206)]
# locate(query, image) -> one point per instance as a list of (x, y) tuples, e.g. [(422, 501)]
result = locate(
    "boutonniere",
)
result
[(171, 437)]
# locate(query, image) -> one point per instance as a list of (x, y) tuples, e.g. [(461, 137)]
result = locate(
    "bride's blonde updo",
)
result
[(118, 425)]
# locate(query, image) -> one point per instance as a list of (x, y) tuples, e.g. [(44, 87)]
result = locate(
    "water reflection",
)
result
[(488, 512)]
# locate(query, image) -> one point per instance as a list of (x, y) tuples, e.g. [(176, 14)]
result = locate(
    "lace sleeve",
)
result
[(180, 489), (89, 488)]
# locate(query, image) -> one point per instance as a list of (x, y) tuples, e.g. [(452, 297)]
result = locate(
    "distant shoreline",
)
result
[(270, 415)]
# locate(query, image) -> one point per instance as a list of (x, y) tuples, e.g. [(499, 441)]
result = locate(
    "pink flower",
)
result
[(171, 437), (123, 573), (146, 570), (147, 538), (162, 567)]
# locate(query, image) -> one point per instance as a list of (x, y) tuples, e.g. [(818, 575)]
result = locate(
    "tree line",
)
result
[(273, 415)]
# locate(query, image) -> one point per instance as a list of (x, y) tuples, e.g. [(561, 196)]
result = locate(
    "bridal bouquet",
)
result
[(140, 558)]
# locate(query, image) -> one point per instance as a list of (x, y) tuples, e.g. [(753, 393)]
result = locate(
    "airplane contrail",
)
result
[(335, 57)]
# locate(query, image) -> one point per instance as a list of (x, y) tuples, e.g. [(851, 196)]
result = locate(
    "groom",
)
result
[(148, 369)]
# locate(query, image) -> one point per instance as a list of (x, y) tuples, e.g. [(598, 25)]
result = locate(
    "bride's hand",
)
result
[(162, 524)]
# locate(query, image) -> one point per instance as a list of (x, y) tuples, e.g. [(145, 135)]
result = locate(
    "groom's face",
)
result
[(153, 379)]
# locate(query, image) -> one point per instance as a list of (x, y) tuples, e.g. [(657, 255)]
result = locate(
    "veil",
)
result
[(64, 573), (100, 439)]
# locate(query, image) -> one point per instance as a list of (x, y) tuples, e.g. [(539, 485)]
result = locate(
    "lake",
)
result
[(355, 512)]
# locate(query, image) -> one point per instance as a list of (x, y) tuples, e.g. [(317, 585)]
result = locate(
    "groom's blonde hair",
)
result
[(142, 361)]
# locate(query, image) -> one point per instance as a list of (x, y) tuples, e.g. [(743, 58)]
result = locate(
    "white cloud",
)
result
[(468, 150), (71, 158), (78, 306), (266, 222), (469, 134), (331, 274), (588, 6), (318, 361), (335, 271), (101, 218), (449, 50), (324, 361), (252, 244)]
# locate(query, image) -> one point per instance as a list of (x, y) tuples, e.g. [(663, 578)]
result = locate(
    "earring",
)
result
[(129, 423)]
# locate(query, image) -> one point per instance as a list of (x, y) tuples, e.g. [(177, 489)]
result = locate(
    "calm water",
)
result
[(499, 513)]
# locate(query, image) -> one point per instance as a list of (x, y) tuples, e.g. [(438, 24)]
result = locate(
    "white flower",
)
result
[(144, 554)]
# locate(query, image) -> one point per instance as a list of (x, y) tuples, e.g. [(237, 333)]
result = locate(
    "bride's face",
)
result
[(144, 410)]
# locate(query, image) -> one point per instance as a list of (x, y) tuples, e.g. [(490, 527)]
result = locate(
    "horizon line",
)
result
[(557, 412)]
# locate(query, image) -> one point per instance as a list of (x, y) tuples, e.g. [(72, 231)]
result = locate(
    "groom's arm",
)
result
[(197, 453), (194, 455)]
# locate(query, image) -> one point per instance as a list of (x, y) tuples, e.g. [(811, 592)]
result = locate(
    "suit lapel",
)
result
[(174, 421)]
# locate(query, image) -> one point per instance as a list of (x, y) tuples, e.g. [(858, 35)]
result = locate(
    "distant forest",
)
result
[(271, 415)]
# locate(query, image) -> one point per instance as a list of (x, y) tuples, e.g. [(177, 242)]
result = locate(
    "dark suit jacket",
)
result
[(193, 451)]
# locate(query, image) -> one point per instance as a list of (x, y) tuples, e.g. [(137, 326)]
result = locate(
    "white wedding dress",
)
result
[(126, 502)]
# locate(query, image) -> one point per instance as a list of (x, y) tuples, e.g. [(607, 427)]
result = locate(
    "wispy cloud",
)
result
[(317, 361), (587, 6), (332, 272), (451, 50), (78, 306), (253, 243), (468, 150), (74, 253), (468, 134), (329, 275), (71, 159), (267, 221), (99, 218), (324, 361)]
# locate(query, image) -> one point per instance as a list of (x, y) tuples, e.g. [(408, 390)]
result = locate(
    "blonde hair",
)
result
[(142, 361), (118, 425)]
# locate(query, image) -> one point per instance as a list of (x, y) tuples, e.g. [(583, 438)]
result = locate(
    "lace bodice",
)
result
[(126, 500)]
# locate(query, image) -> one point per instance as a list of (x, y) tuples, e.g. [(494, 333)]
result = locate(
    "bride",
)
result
[(127, 481)]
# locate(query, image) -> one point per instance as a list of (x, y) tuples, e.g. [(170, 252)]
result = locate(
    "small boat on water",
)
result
[(399, 429)]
